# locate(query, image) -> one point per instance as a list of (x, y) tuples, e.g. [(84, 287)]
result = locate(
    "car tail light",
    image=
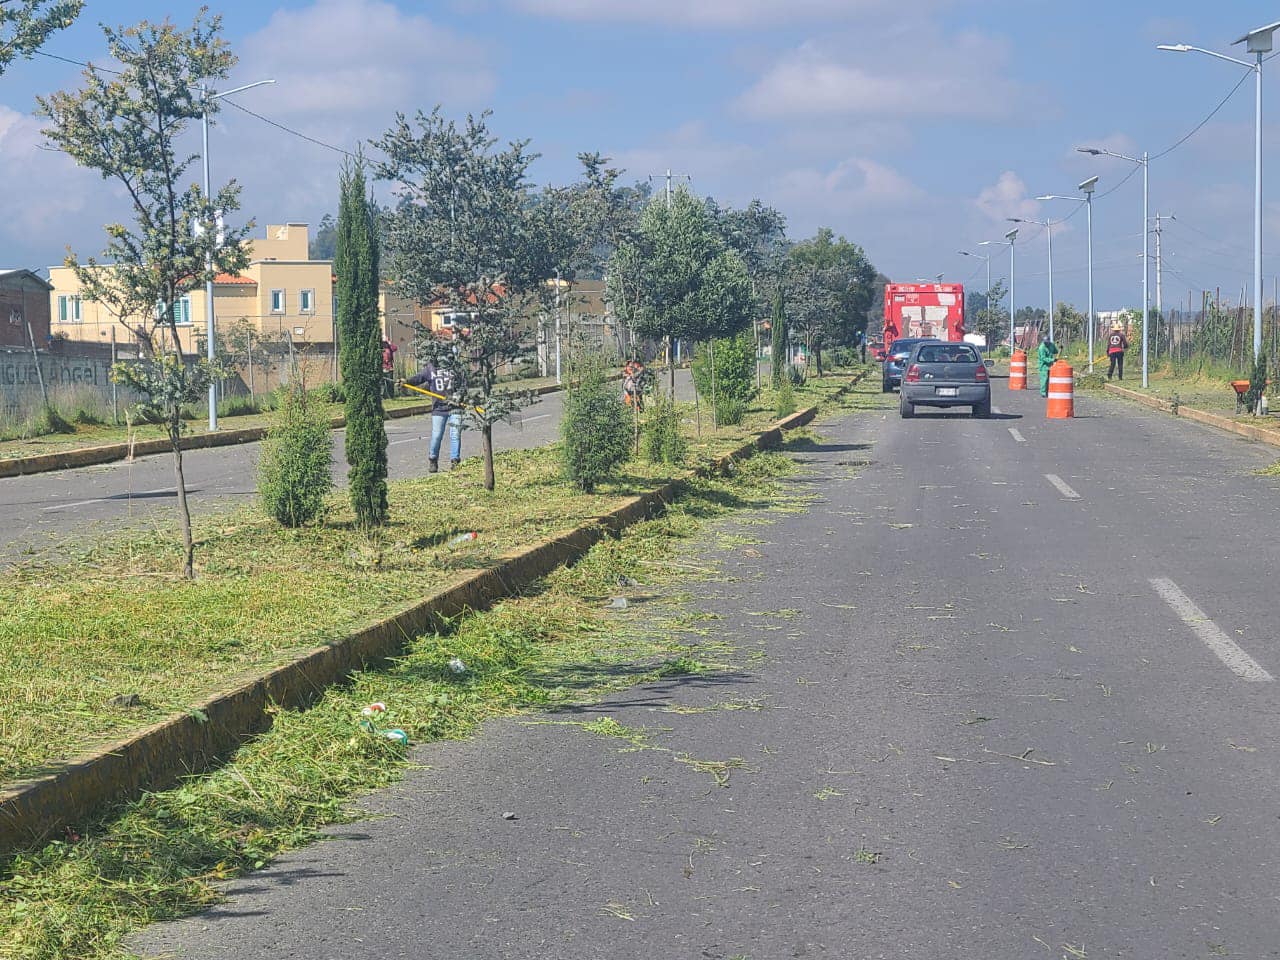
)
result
[(981, 375), (913, 373)]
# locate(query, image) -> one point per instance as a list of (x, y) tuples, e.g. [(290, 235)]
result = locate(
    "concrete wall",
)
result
[(72, 381)]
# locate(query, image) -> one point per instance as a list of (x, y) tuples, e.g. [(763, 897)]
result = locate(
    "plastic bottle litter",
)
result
[(373, 709), (619, 603), (457, 666), (396, 734), (463, 538)]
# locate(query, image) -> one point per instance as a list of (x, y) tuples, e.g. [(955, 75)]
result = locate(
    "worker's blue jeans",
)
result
[(438, 421)]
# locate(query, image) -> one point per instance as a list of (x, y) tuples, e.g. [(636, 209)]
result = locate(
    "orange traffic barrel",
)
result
[(1018, 370), (1061, 392)]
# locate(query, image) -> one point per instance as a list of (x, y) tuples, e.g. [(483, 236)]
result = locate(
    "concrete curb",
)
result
[(111, 452), (1269, 437), (35, 809)]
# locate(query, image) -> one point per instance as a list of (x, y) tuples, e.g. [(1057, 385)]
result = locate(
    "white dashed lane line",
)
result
[(1013, 432), (1061, 486), (1227, 650)]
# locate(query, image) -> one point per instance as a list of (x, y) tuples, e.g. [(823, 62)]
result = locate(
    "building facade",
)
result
[(24, 309)]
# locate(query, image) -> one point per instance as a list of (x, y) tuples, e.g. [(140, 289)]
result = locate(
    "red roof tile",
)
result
[(233, 278)]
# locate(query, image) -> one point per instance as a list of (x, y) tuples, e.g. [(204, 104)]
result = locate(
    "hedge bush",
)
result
[(293, 472)]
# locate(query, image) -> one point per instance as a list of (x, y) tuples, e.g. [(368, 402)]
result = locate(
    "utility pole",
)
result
[(1159, 278)]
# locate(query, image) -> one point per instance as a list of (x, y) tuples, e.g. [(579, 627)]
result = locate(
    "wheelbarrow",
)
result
[(1241, 387)]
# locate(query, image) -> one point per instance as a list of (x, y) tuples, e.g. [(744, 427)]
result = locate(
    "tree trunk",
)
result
[(184, 509), (715, 411), (486, 441), (817, 359), (671, 362)]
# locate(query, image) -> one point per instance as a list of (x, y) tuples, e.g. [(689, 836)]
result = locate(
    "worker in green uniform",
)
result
[(1047, 353)]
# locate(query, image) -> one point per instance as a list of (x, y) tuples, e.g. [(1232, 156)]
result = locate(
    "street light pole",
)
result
[(1144, 162), (210, 352), (1048, 229), (1258, 42), (987, 260), (1088, 187)]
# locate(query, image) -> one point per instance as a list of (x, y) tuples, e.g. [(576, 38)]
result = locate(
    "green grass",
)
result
[(163, 856), (113, 618)]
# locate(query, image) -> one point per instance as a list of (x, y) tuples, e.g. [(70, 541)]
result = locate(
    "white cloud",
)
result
[(352, 59), (1006, 198), (945, 75), (854, 185), (47, 193), (718, 13)]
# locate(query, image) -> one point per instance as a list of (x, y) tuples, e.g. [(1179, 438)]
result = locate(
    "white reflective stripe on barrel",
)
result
[(1059, 396), (1061, 380)]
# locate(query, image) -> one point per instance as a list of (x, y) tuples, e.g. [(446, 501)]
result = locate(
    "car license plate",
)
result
[(948, 391)]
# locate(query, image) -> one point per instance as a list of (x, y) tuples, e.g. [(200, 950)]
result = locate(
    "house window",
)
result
[(69, 309), (277, 301), (182, 311), (306, 301)]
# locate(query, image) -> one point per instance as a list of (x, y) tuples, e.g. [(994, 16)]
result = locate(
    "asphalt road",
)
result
[(1025, 709), (37, 512)]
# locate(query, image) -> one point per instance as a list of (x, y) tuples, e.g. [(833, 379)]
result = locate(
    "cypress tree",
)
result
[(360, 336), (778, 343)]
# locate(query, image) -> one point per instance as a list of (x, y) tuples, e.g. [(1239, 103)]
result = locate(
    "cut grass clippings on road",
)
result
[(111, 620), (163, 856)]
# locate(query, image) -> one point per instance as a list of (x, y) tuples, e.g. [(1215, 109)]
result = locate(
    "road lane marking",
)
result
[(1013, 432), (541, 416), (117, 498), (996, 410), (1063, 489), (1239, 662)]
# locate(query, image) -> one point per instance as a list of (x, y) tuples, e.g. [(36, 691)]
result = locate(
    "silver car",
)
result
[(940, 374)]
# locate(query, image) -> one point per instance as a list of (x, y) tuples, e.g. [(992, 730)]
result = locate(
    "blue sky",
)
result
[(913, 127)]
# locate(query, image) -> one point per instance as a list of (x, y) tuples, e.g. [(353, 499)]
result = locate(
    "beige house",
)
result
[(282, 295)]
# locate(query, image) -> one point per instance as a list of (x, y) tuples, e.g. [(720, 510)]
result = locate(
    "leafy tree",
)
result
[(814, 291), (128, 125), (360, 336), (293, 470), (595, 431), (324, 244), (466, 231), (988, 317), (854, 279), (778, 342), (26, 24), (677, 278), (1068, 324), (758, 234)]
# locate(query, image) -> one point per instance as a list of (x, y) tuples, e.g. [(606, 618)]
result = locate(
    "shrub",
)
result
[(785, 399), (51, 421), (795, 375), (735, 369), (330, 392), (88, 418), (730, 411), (595, 428), (843, 357), (293, 471), (663, 440), (1257, 383)]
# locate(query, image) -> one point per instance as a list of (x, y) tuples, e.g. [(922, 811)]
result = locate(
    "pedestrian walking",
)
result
[(1117, 344), (445, 380), (1047, 353), (388, 368)]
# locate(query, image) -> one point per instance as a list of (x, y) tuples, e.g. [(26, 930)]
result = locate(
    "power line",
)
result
[(1196, 129), (267, 120), (281, 126)]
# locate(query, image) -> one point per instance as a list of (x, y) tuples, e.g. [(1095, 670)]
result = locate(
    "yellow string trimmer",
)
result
[(437, 396)]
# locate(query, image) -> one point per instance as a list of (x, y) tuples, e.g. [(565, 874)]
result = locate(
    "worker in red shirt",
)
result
[(1117, 344)]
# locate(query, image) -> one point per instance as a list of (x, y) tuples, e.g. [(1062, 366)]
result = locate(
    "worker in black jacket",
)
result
[(448, 382)]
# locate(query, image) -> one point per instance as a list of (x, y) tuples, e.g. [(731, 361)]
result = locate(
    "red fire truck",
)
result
[(921, 310)]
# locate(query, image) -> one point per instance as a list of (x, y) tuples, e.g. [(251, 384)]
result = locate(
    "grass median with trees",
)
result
[(165, 855), (82, 636)]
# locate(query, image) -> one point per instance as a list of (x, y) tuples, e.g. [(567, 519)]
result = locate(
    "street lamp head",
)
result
[(1088, 185), (1011, 235), (1047, 196), (1174, 47), (1259, 39), (1094, 151)]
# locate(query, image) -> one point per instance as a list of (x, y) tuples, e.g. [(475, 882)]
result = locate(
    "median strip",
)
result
[(199, 736)]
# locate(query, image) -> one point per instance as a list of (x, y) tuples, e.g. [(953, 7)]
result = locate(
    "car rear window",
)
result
[(947, 353)]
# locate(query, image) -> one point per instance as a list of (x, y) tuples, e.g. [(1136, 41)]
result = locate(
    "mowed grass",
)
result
[(115, 621), (164, 855)]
